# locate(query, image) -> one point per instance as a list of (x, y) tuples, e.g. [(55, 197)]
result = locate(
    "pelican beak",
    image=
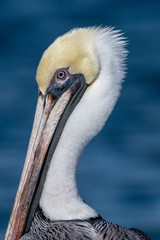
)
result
[(52, 112)]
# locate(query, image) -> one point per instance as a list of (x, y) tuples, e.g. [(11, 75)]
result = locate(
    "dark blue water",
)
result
[(119, 172)]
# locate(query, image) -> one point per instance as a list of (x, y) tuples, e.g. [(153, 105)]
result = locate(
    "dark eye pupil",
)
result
[(61, 74)]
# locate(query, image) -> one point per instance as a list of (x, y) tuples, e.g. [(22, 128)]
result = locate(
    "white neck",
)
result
[(60, 199)]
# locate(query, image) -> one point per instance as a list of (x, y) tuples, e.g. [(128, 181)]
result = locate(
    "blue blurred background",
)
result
[(119, 172)]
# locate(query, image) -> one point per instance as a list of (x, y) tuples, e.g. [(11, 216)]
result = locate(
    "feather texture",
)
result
[(91, 229)]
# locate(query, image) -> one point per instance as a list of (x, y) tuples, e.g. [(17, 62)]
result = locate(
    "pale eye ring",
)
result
[(61, 74)]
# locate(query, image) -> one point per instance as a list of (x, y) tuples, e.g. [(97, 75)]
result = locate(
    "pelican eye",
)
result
[(61, 74)]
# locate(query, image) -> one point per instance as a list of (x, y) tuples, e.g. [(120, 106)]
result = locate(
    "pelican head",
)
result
[(79, 78)]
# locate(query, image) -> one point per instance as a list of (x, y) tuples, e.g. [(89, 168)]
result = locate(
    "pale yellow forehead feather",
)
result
[(74, 50)]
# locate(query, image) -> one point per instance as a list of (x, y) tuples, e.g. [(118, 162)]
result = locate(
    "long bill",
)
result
[(49, 114)]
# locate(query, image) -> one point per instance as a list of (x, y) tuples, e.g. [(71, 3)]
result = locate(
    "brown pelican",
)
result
[(79, 78)]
